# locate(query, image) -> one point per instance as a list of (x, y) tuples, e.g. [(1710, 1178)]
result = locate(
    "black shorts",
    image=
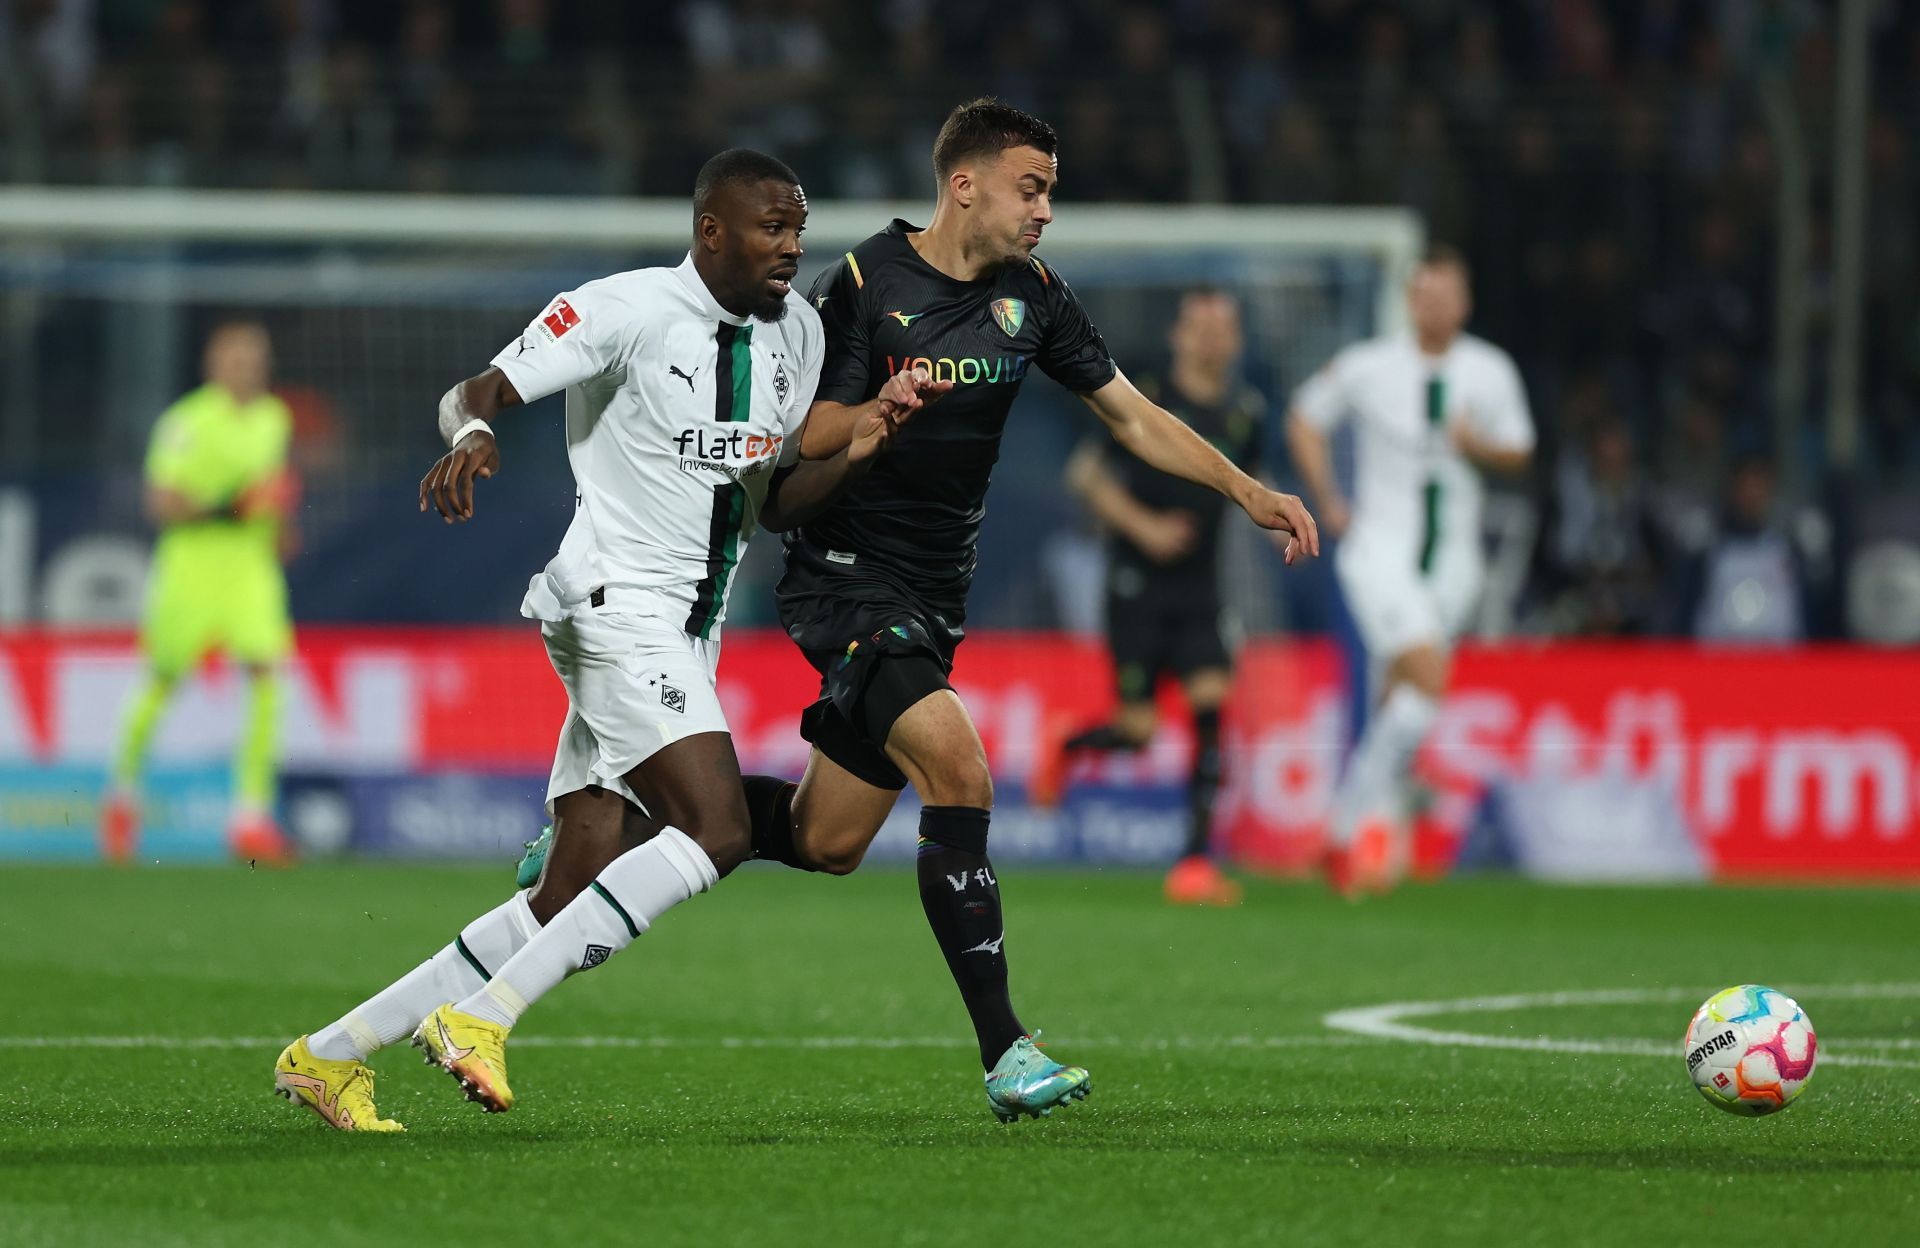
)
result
[(1171, 633), (878, 653)]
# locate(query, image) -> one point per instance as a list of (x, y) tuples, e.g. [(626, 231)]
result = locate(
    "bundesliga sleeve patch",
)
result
[(558, 319)]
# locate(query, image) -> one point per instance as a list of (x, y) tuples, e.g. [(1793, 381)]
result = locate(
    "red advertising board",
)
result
[(1784, 762)]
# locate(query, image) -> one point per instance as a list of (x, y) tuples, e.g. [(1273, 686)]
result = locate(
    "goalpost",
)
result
[(377, 300), (1313, 277), (1388, 237)]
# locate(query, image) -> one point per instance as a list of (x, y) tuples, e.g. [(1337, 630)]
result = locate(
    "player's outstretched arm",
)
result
[(831, 427), (465, 412), (802, 491), (1163, 440)]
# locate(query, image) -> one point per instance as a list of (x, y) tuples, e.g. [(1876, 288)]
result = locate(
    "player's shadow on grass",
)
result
[(1669, 1158)]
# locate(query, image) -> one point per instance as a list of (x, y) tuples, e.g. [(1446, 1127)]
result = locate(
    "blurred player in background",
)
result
[(1432, 410), (1165, 615), (875, 589), (219, 490)]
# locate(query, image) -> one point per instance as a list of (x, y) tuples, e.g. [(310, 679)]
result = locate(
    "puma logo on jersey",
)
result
[(906, 319), (686, 377)]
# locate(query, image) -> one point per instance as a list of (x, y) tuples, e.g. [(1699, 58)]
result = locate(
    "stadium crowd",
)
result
[(1607, 165)]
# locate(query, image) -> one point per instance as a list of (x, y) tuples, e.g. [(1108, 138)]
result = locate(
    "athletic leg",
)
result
[(256, 755), (935, 744), (1383, 760), (1138, 643), (1196, 879), (1131, 728), (460, 967), (1206, 693), (847, 792), (120, 812), (252, 833), (326, 1071), (1366, 844), (692, 788), (828, 821), (592, 827), (136, 734), (834, 816)]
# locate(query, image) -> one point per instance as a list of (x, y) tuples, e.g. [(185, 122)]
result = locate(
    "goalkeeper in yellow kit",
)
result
[(218, 489)]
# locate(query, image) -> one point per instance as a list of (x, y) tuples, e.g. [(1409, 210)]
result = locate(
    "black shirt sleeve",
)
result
[(844, 377), (1073, 352)]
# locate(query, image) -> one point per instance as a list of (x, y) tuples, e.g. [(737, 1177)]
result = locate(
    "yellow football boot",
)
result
[(340, 1092), (472, 1050)]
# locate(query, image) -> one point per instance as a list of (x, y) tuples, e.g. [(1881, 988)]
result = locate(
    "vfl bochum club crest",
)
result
[(1010, 313)]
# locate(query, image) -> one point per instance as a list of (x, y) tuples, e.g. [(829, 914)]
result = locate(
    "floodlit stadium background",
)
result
[(1694, 226)]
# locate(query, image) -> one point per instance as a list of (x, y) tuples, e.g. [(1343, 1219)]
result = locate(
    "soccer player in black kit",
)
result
[(1165, 616), (875, 588)]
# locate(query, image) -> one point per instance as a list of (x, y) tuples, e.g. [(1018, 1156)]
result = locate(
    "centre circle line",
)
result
[(1389, 1021)]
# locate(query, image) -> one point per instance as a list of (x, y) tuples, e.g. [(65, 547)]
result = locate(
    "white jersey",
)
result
[(1416, 499), (677, 413)]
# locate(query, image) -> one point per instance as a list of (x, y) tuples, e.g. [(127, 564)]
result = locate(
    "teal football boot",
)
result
[(1027, 1081), (534, 859)]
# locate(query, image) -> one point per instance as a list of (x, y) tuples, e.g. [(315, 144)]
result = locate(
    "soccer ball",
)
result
[(1750, 1050)]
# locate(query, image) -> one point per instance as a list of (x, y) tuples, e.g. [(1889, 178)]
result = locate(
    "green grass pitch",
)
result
[(786, 1062)]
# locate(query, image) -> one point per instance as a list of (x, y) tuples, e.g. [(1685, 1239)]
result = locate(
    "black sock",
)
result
[(962, 901), (770, 811), (1105, 737), (1203, 783)]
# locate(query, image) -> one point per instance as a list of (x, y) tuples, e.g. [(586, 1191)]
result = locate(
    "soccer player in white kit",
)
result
[(1432, 410), (686, 389)]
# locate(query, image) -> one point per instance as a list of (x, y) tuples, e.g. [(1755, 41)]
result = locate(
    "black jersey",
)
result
[(1236, 428), (906, 534)]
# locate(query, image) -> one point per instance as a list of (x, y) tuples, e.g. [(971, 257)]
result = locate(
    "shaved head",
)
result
[(737, 169), (748, 215)]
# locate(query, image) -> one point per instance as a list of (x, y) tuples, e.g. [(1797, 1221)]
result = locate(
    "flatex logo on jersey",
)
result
[(735, 452)]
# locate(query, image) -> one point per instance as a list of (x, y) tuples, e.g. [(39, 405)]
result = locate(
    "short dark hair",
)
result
[(737, 166), (1446, 256), (986, 127), (1206, 290)]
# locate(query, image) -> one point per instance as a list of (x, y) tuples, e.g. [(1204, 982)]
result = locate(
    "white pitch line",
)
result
[(1386, 1022)]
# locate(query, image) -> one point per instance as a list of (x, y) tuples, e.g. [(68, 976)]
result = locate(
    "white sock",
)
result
[(635, 889), (1382, 763), (482, 947)]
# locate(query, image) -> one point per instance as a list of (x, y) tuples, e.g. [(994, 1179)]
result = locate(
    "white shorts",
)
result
[(1398, 608), (635, 685)]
